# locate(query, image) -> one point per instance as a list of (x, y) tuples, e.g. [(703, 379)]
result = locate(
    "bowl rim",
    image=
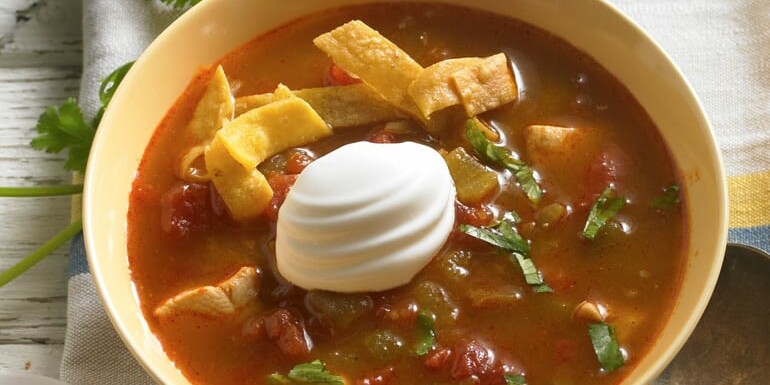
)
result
[(91, 189)]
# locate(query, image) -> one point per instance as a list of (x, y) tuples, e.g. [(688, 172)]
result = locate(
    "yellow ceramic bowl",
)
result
[(216, 27)]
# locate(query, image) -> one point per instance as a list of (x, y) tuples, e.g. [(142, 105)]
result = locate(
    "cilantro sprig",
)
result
[(314, 372), (503, 157), (606, 206), (62, 128), (505, 236)]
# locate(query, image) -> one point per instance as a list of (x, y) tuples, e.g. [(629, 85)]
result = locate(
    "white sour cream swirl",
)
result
[(365, 217)]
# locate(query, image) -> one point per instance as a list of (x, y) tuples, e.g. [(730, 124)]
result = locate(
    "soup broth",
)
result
[(483, 309)]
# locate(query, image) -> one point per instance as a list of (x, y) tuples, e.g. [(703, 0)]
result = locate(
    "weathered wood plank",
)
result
[(37, 359), (40, 59), (45, 33)]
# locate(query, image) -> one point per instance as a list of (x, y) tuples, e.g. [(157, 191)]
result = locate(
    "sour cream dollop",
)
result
[(365, 217)]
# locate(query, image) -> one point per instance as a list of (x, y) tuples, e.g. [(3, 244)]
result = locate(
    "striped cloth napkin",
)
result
[(722, 46)]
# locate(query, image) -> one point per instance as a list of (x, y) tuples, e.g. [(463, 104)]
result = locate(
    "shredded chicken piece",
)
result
[(213, 301)]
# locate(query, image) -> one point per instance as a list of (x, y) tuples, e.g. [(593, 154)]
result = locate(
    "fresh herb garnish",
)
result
[(515, 379), (505, 236), (531, 275), (179, 4), (107, 90), (426, 335), (668, 200), (65, 128), (62, 128), (309, 373), (606, 206), (503, 157), (606, 346)]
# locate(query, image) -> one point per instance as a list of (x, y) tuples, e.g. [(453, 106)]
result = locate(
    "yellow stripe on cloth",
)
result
[(749, 199)]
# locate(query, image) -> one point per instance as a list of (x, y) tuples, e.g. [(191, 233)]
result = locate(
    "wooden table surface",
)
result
[(40, 64)]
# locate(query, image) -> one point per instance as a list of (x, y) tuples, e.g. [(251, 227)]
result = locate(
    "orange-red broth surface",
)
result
[(477, 294)]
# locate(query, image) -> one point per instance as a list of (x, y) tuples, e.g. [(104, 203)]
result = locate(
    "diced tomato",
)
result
[(437, 358), (185, 208), (336, 76), (475, 361), (297, 161), (379, 377), (281, 184), (380, 135), (474, 216), (287, 332)]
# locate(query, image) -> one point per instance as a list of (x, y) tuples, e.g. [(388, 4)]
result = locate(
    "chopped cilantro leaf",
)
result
[(308, 373), (505, 236), (668, 200), (515, 379), (531, 275), (503, 157), (606, 206), (61, 128), (426, 336), (606, 346)]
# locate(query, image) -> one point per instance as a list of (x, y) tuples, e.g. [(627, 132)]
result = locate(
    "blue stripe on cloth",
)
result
[(758, 237), (78, 262)]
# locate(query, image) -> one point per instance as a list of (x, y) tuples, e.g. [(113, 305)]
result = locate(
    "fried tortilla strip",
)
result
[(282, 92), (378, 62), (486, 86), (245, 104), (214, 301), (245, 191), (432, 90), (265, 131), (338, 106), (215, 107)]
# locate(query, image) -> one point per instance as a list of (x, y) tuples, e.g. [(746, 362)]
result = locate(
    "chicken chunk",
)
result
[(213, 301), (546, 141), (552, 149)]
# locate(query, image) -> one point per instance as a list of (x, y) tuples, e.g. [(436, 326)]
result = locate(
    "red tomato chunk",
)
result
[(472, 360), (336, 76), (287, 332), (185, 208), (281, 184)]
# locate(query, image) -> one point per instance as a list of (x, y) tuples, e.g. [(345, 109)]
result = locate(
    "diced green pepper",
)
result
[(431, 295), (384, 345), (338, 310), (473, 180)]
